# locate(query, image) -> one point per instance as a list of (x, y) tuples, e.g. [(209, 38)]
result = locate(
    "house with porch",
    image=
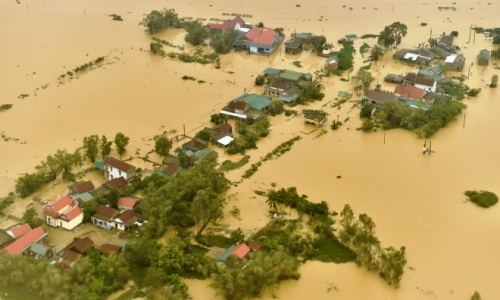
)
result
[(104, 217), (114, 168), (125, 220), (221, 134), (64, 213)]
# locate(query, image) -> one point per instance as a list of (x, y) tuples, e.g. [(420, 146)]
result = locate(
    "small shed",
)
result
[(394, 78), (315, 117), (483, 58)]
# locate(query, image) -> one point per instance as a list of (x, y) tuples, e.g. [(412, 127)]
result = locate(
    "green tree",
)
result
[(276, 107), (156, 48), (223, 42), (26, 184), (204, 135), (91, 147), (121, 142), (454, 33), (364, 77), (310, 91), (495, 53), (475, 296), (279, 30), (207, 207), (376, 52), (260, 80), (219, 118), (105, 147), (60, 163), (392, 34), (162, 145), (496, 39), (171, 257), (89, 209), (157, 21), (31, 217), (237, 236), (494, 81), (196, 33), (317, 42), (433, 42)]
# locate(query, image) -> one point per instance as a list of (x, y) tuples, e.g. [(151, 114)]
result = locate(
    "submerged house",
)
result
[(315, 117), (259, 41), (227, 25), (377, 97), (425, 83), (394, 78), (247, 106), (434, 72), (483, 58), (297, 40), (454, 63)]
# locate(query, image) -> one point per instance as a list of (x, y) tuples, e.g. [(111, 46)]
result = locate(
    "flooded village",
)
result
[(185, 155)]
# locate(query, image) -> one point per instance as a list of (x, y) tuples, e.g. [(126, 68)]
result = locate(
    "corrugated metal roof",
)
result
[(226, 253)]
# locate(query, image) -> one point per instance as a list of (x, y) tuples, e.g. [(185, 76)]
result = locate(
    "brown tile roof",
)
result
[(71, 255), (239, 105), (25, 241), (118, 164), (226, 127), (109, 248), (427, 81), (19, 230), (81, 245), (379, 96), (116, 182), (127, 216), (82, 186), (105, 213), (254, 246)]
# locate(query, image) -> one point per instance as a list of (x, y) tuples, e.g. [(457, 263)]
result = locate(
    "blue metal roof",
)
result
[(226, 253)]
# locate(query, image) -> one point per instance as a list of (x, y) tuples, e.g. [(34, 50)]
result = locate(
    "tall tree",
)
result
[(157, 21), (162, 145), (31, 217), (494, 81), (392, 34), (364, 77), (206, 207), (105, 147), (121, 142), (91, 147), (196, 33), (376, 53)]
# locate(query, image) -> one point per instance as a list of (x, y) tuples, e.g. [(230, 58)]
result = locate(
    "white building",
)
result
[(114, 168)]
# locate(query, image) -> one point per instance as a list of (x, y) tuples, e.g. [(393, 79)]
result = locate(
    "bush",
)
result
[(260, 80), (482, 198), (4, 107)]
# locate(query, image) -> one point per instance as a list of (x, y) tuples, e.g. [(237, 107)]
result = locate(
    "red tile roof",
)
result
[(25, 241), (81, 245), (253, 33), (19, 230), (71, 255), (53, 208), (241, 250), (118, 164), (239, 105), (215, 26), (226, 127), (409, 91), (127, 202), (72, 214), (117, 182), (423, 81), (266, 38), (109, 248)]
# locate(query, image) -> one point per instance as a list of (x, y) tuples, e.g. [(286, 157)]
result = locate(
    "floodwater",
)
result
[(416, 201)]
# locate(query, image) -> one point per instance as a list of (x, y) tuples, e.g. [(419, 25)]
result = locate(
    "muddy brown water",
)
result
[(415, 200)]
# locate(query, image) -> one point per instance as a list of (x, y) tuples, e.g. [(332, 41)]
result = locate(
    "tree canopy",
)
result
[(157, 21), (121, 142), (392, 34), (196, 33)]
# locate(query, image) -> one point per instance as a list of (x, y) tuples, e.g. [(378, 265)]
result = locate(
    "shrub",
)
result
[(260, 80), (5, 107), (482, 198), (423, 24)]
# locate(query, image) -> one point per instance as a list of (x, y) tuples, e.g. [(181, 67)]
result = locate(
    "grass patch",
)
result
[(482, 198), (331, 250), (15, 292), (228, 165), (215, 240)]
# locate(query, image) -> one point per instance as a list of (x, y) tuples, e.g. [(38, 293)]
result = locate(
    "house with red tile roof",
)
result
[(17, 231), (241, 250), (24, 242), (226, 25), (409, 92), (115, 168), (64, 213), (129, 203), (260, 40)]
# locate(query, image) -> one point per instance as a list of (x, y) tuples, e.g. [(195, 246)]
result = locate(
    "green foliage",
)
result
[(376, 53), (237, 236), (331, 250), (228, 165), (482, 198), (196, 33), (121, 142), (289, 197), (496, 39), (156, 48), (423, 122), (204, 135), (260, 80), (26, 184), (369, 36), (423, 24), (219, 118), (249, 133), (473, 92), (223, 42), (116, 17), (475, 296), (336, 125), (162, 145), (359, 236), (279, 30), (31, 217), (310, 91), (157, 21), (206, 207), (6, 201), (494, 81), (392, 34), (89, 209), (297, 63), (364, 48), (495, 53), (366, 110), (266, 269), (260, 25), (276, 108), (433, 42), (317, 42), (214, 240), (5, 107), (454, 33), (91, 147), (105, 146), (364, 77), (457, 90)]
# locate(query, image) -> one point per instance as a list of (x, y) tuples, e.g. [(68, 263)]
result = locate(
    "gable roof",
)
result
[(239, 105), (110, 248), (255, 101), (39, 249), (18, 230), (72, 214), (82, 186), (118, 164), (409, 91), (116, 182), (241, 250), (264, 36), (71, 255), (53, 208), (127, 202), (5, 238), (231, 24), (423, 81), (81, 245), (379, 96), (105, 213), (25, 241), (127, 217)]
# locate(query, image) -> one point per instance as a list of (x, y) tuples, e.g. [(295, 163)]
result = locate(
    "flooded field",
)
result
[(416, 201)]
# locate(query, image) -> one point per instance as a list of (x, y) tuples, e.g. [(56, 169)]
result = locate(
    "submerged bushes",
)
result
[(482, 198)]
